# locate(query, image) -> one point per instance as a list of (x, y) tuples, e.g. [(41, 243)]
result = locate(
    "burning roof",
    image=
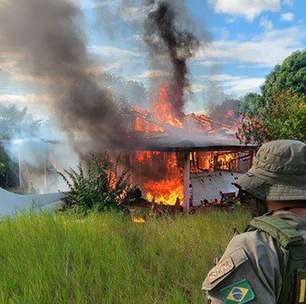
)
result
[(195, 143), (161, 130)]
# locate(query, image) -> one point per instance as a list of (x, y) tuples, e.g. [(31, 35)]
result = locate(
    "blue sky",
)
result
[(247, 38)]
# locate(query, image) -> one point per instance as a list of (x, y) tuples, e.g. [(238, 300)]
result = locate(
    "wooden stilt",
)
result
[(187, 181)]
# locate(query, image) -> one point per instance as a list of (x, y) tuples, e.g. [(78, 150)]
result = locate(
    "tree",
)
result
[(279, 112), (14, 123), (289, 76)]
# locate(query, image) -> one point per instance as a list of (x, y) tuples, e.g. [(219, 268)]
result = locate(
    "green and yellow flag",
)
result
[(239, 292)]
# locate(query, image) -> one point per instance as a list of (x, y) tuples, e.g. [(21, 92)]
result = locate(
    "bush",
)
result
[(97, 187)]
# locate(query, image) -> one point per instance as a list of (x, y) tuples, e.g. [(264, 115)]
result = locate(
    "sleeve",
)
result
[(248, 272)]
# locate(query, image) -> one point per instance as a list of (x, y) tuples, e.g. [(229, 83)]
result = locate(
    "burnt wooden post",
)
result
[(187, 181)]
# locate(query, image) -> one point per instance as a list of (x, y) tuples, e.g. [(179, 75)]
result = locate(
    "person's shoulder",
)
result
[(250, 262), (253, 242), (243, 247)]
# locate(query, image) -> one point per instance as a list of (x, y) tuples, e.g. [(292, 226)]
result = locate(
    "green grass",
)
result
[(107, 259)]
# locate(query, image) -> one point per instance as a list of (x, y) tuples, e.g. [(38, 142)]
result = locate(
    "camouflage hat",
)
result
[(278, 172)]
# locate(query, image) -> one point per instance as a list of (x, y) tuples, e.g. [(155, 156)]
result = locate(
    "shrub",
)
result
[(97, 187)]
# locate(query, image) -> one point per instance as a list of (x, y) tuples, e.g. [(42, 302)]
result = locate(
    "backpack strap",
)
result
[(279, 229)]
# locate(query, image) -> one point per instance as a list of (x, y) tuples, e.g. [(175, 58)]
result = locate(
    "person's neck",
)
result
[(296, 207), (300, 212)]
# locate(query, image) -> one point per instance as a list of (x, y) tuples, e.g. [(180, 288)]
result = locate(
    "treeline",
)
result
[(278, 111)]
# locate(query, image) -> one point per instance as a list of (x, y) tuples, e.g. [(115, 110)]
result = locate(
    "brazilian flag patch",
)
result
[(239, 292)]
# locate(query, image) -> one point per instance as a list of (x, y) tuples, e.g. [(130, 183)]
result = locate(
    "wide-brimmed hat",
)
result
[(278, 172)]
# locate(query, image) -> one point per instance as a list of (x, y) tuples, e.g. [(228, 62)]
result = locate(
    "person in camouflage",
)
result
[(267, 263)]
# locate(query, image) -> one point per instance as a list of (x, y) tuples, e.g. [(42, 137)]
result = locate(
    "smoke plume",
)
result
[(168, 41), (47, 38)]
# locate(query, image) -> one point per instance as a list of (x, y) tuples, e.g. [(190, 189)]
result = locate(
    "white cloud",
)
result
[(287, 17), (219, 77), (199, 87), (110, 51), (153, 74), (93, 4), (288, 2), (113, 59), (267, 49), (231, 85), (128, 11), (25, 99), (266, 24), (246, 8), (199, 80), (210, 63), (105, 67), (240, 87)]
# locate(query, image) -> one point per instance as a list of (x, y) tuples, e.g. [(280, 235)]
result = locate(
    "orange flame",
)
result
[(142, 125), (142, 156), (230, 114), (163, 109), (170, 189), (225, 160), (211, 161), (138, 220), (166, 191)]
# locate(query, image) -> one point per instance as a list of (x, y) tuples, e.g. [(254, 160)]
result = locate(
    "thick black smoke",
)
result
[(47, 39), (167, 40)]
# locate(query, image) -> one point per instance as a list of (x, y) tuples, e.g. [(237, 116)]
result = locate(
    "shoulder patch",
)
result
[(238, 292), (221, 269), (224, 268)]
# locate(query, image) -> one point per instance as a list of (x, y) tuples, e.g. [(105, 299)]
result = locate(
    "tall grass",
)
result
[(106, 258)]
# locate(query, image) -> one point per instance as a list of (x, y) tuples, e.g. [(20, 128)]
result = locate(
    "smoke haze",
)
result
[(49, 44), (48, 38)]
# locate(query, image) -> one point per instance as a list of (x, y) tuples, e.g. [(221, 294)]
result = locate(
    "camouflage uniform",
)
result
[(252, 267)]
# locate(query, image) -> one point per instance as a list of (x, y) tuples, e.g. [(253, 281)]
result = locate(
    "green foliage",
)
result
[(97, 187), (289, 76), (287, 117), (280, 111), (8, 170), (108, 259), (251, 104)]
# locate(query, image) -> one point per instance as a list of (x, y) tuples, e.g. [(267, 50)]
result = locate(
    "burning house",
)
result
[(171, 155), (190, 173), (189, 160), (185, 160)]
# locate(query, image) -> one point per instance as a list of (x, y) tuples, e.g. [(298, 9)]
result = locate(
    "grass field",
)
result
[(108, 259)]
